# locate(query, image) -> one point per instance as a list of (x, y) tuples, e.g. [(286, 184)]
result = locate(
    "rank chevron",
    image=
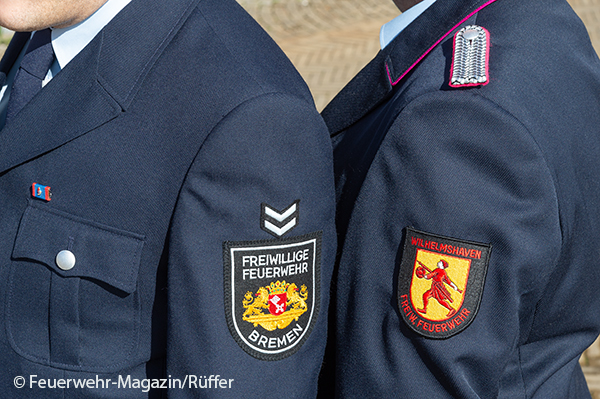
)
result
[(278, 223)]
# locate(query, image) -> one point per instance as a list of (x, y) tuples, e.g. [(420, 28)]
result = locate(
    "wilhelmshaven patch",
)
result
[(440, 283), (272, 293)]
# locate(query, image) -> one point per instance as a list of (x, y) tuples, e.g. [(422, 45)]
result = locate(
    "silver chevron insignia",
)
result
[(278, 223)]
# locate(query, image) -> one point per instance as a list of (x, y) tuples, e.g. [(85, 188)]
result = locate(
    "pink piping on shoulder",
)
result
[(394, 83)]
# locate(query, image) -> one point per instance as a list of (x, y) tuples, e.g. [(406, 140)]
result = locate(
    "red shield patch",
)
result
[(277, 304), (440, 283)]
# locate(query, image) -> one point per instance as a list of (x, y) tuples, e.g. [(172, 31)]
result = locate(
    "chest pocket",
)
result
[(79, 311)]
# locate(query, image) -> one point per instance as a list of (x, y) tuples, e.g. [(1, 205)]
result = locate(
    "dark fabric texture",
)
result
[(513, 164), (160, 141)]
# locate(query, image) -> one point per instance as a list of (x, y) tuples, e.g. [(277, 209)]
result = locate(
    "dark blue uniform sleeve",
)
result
[(457, 165), (251, 253), (474, 172)]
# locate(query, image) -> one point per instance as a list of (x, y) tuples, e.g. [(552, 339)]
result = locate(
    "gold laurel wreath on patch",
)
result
[(255, 304)]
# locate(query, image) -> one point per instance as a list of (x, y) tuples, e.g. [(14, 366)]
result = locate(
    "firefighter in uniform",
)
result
[(472, 137), (170, 165)]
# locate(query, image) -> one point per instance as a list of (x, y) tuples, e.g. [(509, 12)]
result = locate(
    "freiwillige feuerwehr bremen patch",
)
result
[(272, 293), (440, 283)]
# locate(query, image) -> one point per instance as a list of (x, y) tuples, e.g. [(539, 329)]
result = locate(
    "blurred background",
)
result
[(330, 40)]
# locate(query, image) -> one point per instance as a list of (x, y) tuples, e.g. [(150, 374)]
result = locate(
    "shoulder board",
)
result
[(470, 58)]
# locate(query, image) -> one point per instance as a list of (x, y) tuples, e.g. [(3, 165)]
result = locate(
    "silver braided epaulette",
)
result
[(470, 59)]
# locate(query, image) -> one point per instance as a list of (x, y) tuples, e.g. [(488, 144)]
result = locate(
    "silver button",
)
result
[(65, 260), (471, 34)]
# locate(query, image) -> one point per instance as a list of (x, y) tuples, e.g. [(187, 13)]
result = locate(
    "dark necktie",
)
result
[(33, 69)]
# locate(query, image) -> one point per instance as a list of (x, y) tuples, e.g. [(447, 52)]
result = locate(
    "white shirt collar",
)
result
[(68, 42), (390, 30)]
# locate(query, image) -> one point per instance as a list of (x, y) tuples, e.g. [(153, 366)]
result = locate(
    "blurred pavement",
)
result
[(329, 41)]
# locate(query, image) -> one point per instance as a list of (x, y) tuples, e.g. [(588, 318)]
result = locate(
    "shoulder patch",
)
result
[(272, 293), (440, 283), (470, 59)]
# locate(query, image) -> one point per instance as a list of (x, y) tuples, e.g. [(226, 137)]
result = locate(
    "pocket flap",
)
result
[(101, 252)]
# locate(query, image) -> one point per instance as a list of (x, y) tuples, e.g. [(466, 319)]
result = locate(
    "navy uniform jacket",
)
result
[(163, 142), (426, 169)]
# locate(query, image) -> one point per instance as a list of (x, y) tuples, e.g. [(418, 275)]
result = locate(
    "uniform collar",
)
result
[(376, 81), (393, 28), (68, 42), (98, 84)]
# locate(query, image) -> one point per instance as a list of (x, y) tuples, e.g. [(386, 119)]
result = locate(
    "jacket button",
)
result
[(65, 260)]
